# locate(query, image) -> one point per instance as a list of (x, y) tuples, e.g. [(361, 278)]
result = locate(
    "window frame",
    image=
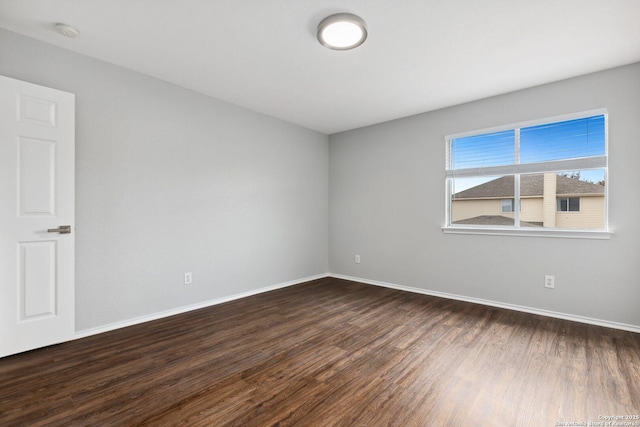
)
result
[(517, 169), (568, 199), (510, 203)]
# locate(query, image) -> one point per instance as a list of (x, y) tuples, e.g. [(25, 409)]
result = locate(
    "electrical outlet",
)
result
[(549, 282), (357, 259), (188, 278)]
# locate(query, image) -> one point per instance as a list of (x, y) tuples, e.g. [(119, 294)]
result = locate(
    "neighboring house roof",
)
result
[(495, 220), (530, 186)]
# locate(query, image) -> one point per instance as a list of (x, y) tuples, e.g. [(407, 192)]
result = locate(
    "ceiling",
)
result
[(420, 55)]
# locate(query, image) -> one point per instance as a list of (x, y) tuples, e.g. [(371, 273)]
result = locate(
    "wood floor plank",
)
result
[(330, 353)]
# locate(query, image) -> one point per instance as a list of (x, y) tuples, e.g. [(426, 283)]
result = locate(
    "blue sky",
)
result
[(561, 140), (555, 141)]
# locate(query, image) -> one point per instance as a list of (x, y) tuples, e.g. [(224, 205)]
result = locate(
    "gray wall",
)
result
[(387, 199), (170, 181)]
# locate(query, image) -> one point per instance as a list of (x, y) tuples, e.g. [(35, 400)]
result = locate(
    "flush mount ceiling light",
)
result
[(342, 31), (67, 31)]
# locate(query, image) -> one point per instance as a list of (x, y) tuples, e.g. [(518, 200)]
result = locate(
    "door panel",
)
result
[(36, 111), (37, 159), (36, 174), (37, 280)]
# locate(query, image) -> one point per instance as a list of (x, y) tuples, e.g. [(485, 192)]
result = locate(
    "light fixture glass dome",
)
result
[(67, 30), (342, 31)]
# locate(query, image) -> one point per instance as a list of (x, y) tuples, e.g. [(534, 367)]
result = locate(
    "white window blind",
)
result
[(566, 145), (571, 139)]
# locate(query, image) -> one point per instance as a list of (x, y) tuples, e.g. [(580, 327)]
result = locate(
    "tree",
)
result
[(574, 175)]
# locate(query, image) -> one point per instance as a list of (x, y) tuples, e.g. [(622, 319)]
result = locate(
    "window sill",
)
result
[(527, 232)]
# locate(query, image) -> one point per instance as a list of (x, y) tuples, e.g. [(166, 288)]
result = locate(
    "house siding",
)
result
[(532, 210), (463, 209), (590, 216)]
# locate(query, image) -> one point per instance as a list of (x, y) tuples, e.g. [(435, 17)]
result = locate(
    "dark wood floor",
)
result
[(330, 353)]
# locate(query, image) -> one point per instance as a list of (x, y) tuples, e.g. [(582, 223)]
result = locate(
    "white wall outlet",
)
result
[(549, 282), (188, 278), (357, 259)]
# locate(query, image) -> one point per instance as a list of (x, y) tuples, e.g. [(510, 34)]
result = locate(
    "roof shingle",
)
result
[(530, 186)]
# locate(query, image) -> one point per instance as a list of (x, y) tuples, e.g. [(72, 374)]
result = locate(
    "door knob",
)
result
[(63, 229)]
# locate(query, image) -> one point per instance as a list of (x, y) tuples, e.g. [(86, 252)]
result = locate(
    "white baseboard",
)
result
[(581, 319), (179, 310)]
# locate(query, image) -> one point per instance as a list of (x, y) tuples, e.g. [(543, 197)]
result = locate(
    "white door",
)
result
[(37, 170)]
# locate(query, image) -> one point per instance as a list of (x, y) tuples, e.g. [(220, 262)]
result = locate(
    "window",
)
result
[(507, 205), (547, 168), (568, 204)]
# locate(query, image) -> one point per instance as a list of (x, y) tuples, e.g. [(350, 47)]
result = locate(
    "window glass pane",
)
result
[(491, 149), (479, 201), (574, 204), (563, 204), (572, 199), (563, 140)]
